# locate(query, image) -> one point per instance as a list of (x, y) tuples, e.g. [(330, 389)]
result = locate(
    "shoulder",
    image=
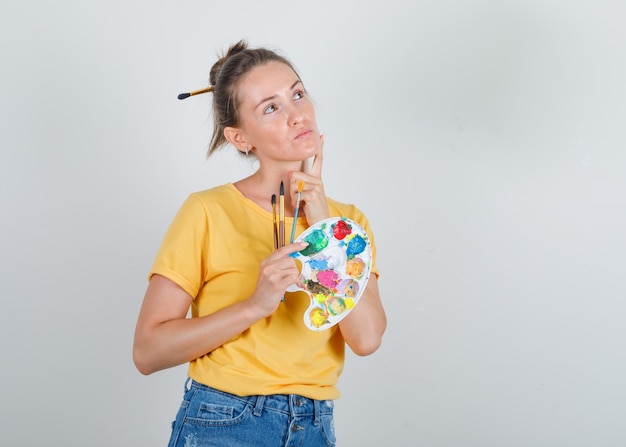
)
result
[(340, 209), (351, 211), (221, 192), (199, 204), (215, 197)]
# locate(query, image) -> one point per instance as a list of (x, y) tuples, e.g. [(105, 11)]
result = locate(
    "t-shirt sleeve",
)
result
[(181, 256), (364, 222)]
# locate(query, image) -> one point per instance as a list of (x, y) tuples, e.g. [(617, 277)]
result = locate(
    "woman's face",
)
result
[(277, 118)]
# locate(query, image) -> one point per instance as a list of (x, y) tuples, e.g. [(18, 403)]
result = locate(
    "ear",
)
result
[(236, 138)]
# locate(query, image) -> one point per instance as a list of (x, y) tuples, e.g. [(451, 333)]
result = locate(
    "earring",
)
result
[(246, 150)]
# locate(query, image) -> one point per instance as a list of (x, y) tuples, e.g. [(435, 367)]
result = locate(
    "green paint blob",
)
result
[(317, 242)]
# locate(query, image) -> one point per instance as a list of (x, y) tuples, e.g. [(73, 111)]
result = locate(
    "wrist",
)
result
[(256, 309)]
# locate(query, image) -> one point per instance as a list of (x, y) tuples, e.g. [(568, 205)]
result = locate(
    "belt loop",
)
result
[(187, 383), (258, 407), (316, 415)]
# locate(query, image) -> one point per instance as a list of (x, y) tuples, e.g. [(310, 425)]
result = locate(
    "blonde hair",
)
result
[(224, 78)]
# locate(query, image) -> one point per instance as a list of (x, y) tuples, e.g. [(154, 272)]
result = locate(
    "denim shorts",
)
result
[(209, 417)]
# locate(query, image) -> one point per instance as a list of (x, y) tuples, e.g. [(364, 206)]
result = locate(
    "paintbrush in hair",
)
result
[(196, 92)]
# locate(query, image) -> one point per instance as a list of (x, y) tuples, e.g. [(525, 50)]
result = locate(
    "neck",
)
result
[(260, 186)]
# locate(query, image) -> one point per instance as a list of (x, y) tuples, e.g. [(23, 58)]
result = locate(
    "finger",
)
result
[(296, 181), (291, 248), (316, 167)]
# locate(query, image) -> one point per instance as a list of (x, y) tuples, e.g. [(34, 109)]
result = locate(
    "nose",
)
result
[(295, 116)]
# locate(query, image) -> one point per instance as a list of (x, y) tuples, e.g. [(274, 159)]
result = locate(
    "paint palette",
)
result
[(335, 267)]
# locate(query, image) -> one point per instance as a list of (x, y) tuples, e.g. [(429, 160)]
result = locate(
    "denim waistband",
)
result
[(292, 404)]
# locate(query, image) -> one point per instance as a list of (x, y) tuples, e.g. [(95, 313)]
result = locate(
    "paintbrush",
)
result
[(196, 92), (295, 213), (275, 222), (281, 215)]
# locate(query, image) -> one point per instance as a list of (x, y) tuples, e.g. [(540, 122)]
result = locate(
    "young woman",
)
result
[(257, 375)]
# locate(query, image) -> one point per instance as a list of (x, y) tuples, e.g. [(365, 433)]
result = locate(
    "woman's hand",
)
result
[(276, 272), (312, 197)]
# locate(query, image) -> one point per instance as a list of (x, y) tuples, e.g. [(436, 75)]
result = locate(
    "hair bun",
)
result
[(234, 49)]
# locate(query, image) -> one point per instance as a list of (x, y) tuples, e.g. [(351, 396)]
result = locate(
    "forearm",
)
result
[(178, 341), (364, 327)]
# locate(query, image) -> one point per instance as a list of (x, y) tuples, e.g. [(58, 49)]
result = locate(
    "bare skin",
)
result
[(278, 125)]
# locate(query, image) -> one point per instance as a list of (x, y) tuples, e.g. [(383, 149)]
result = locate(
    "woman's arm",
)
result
[(364, 326), (165, 337)]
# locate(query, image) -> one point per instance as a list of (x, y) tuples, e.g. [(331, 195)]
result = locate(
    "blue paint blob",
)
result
[(318, 264), (356, 245)]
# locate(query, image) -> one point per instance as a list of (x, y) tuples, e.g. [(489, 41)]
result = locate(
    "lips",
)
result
[(304, 133)]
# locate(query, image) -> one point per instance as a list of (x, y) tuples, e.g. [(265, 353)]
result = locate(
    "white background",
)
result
[(484, 140)]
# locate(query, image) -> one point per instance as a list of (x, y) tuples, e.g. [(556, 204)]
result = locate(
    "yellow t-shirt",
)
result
[(213, 249)]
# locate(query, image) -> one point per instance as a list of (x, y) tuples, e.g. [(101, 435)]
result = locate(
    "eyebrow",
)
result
[(298, 81)]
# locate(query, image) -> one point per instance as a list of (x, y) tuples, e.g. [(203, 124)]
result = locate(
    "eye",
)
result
[(269, 109), (298, 95)]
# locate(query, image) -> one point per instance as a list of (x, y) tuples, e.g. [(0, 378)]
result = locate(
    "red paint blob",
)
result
[(341, 229)]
